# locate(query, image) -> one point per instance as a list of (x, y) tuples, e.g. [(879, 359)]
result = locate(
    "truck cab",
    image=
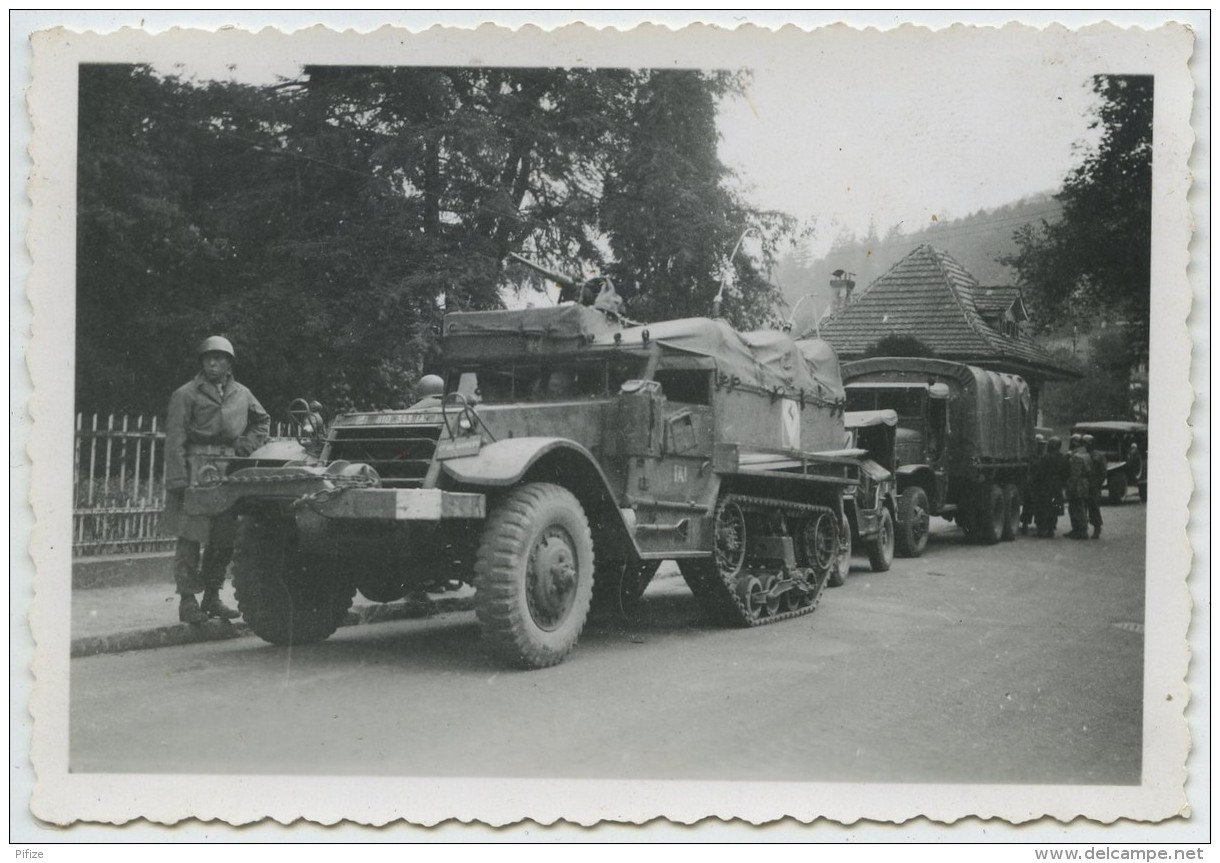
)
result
[(920, 448)]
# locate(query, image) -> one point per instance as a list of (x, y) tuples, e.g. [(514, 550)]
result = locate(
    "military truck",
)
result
[(871, 510), (570, 452), (965, 440)]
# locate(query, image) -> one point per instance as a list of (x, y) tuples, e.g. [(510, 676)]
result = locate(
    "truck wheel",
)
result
[(618, 587), (534, 575), (1012, 511), (990, 514), (1118, 489), (912, 535), (881, 547), (285, 595), (842, 563)]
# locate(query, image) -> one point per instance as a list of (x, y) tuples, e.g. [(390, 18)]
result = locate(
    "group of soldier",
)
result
[(1076, 477)]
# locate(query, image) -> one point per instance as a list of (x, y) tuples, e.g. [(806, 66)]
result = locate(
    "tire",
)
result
[(911, 536), (534, 575), (618, 587), (1012, 511), (842, 563), (286, 596), (881, 547), (1117, 489), (990, 514)]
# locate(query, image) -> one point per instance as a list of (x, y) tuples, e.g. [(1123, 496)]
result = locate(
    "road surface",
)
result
[(1018, 663)]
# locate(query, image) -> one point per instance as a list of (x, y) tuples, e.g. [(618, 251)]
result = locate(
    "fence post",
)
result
[(77, 521), (92, 458)]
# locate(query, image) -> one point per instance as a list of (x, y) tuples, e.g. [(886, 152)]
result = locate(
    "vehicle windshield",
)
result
[(906, 402), (543, 382)]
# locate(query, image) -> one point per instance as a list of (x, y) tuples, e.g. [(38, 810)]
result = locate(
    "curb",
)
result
[(223, 630)]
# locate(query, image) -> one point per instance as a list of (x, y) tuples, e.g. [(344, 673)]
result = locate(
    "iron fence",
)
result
[(118, 480)]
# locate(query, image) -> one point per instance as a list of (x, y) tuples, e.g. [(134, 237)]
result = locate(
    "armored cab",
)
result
[(571, 453), (964, 444)]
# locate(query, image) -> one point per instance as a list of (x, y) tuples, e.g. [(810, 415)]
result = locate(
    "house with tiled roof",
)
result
[(930, 296)]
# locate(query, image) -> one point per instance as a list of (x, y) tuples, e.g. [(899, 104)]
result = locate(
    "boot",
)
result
[(189, 610), (1097, 531), (213, 607)]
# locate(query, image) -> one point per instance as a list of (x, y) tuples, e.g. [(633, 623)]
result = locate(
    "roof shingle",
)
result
[(930, 296)]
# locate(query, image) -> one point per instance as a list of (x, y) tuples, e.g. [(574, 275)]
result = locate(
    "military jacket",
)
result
[(1080, 466), (200, 416)]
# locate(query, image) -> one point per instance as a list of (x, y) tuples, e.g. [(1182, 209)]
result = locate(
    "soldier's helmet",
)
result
[(430, 385), (1087, 440), (1054, 442), (1075, 440), (215, 344), (1039, 438)]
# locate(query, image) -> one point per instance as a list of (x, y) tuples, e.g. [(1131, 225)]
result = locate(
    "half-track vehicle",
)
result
[(570, 453), (1113, 438), (965, 441)]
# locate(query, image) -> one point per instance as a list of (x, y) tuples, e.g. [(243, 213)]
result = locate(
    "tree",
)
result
[(898, 345), (325, 224), (1095, 262), (1103, 393), (671, 215)]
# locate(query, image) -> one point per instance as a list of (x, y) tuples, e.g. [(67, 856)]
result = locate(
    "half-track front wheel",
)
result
[(534, 575), (911, 537), (881, 547), (285, 595)]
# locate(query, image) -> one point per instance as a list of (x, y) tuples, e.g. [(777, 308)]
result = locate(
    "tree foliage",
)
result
[(325, 224), (1095, 262), (898, 345), (1102, 394)]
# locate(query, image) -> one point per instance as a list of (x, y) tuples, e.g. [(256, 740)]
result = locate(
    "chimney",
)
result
[(842, 285)]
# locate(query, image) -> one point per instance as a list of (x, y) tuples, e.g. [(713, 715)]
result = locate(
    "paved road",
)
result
[(1020, 663)]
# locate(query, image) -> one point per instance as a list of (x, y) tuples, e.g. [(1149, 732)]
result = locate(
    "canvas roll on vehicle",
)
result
[(569, 454), (965, 441)]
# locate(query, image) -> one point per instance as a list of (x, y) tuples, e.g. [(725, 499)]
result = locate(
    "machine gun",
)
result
[(569, 288), (597, 292)]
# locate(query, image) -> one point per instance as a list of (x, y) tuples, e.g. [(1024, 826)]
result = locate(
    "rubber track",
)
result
[(725, 588)]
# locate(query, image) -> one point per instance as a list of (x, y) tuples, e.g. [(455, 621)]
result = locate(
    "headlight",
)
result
[(464, 423)]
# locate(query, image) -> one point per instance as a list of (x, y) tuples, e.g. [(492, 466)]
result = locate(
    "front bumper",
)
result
[(332, 496), (398, 504)]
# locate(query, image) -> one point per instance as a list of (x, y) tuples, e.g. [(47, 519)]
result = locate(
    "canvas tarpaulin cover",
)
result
[(766, 359), (992, 412)]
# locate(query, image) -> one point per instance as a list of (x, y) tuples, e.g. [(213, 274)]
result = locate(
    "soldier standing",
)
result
[(210, 417), (1097, 479), (1079, 468), (1032, 493), (1053, 473), (1135, 464)]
